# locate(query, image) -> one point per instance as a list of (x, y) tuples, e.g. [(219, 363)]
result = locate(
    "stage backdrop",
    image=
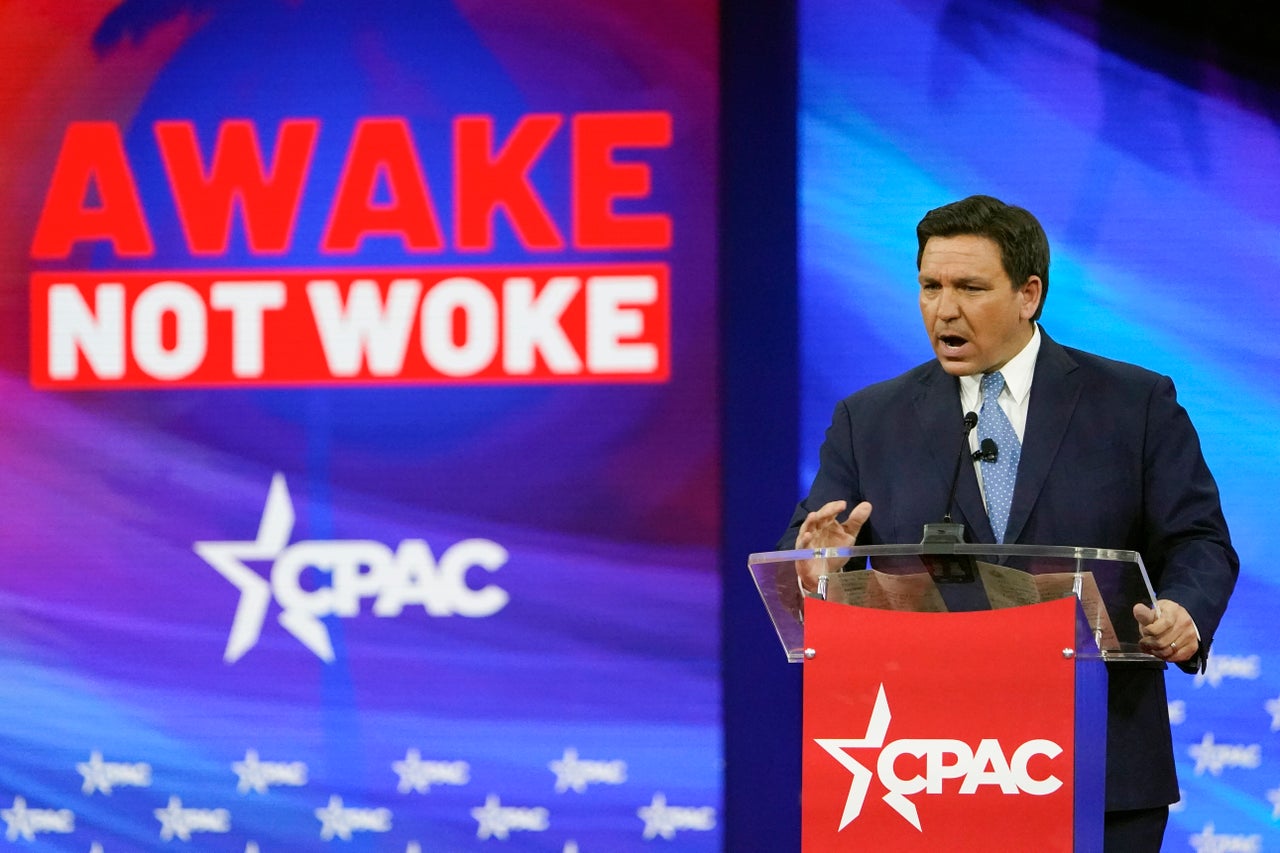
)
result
[(1151, 161), (359, 463)]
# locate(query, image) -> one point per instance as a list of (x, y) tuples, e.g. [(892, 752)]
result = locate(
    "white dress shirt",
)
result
[(1015, 399)]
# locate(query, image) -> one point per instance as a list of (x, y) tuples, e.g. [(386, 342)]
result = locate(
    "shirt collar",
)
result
[(1017, 371)]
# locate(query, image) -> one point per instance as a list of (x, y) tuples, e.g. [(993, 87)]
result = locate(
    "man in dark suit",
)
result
[(1105, 457)]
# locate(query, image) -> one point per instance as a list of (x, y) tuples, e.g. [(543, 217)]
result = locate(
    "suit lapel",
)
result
[(1054, 392), (937, 404)]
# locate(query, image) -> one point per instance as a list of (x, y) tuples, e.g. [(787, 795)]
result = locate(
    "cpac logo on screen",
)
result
[(944, 759), (357, 569)]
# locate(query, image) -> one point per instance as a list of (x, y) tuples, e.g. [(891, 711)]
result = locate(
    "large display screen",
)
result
[(1151, 162), (359, 452)]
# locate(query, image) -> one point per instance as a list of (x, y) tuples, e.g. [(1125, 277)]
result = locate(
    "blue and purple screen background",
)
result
[(604, 496), (1154, 170)]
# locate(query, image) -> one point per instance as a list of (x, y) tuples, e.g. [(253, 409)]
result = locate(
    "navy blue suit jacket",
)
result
[(1109, 460)]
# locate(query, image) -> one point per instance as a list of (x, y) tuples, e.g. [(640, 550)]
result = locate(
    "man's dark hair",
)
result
[(1024, 248)]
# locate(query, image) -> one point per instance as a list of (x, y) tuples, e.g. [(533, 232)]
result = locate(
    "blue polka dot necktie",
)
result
[(998, 477)]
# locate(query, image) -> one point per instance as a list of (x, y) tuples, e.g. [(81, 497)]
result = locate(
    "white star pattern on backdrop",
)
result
[(1273, 708), (100, 775), (489, 823), (998, 477)]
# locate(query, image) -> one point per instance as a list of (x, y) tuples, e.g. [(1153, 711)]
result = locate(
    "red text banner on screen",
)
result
[(455, 322), (572, 322)]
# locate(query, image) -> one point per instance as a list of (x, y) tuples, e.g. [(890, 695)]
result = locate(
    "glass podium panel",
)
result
[(950, 577)]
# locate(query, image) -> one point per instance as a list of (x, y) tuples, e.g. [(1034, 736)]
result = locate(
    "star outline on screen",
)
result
[(228, 559)]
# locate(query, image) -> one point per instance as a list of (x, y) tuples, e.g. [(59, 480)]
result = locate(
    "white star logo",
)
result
[(103, 776), (877, 728), (228, 558), (657, 819), (16, 818), (176, 821), (664, 820), (1273, 797), (418, 775), (575, 774), (27, 822), (173, 822), (95, 774), (489, 822), (339, 821), (254, 774), (333, 820), (412, 772), (568, 777), (250, 774), (1273, 708)]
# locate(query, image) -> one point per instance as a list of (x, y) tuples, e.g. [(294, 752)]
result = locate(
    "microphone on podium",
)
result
[(946, 530), (954, 568)]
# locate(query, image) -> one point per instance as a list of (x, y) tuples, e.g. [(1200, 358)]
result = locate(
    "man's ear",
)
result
[(1032, 291)]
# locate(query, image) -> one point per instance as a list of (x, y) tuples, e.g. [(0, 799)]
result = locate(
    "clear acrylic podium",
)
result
[(955, 694)]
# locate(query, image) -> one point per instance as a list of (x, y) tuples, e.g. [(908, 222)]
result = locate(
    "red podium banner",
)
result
[(942, 731)]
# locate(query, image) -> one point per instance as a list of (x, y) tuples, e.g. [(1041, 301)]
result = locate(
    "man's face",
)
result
[(975, 319)]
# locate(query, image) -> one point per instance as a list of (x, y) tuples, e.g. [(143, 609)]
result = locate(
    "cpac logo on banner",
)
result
[(1213, 757), (105, 776), (419, 775), (1222, 666), (664, 821), (486, 320), (178, 821), (357, 568), (944, 760), (338, 820), (258, 775), (494, 820), (575, 774), (25, 822)]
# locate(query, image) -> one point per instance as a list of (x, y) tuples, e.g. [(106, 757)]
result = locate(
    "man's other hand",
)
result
[(822, 529), (1167, 631)]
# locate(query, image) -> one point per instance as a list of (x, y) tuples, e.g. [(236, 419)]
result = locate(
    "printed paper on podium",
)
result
[(912, 593), (1006, 587)]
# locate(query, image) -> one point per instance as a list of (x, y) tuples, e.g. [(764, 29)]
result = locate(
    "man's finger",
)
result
[(832, 507), (857, 517), (1144, 614)]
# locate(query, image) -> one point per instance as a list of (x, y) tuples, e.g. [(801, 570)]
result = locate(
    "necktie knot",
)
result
[(992, 384)]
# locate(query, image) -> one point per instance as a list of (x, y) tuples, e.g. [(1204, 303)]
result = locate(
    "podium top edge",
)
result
[(1070, 552)]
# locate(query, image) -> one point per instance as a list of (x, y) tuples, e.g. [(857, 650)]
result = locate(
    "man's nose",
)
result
[(948, 305)]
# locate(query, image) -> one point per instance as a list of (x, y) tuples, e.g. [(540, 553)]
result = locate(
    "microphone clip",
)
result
[(988, 451)]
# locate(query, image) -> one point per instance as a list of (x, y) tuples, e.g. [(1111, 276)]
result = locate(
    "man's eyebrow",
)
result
[(963, 280)]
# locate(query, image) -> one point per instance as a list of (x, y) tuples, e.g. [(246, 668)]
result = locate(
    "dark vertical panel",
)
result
[(760, 381)]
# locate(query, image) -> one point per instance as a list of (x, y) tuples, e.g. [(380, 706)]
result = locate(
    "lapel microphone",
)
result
[(988, 451)]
